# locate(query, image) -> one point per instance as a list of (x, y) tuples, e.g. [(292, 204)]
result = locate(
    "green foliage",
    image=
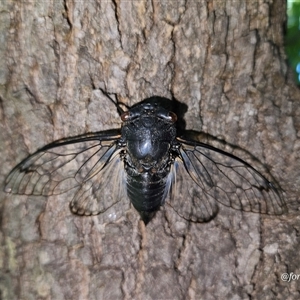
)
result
[(292, 39)]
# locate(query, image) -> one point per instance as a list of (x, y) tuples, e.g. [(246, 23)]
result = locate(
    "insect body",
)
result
[(146, 159), (149, 136)]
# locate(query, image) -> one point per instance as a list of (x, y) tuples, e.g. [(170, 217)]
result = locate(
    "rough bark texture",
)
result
[(225, 60)]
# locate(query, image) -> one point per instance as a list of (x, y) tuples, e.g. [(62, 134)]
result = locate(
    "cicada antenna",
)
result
[(116, 103)]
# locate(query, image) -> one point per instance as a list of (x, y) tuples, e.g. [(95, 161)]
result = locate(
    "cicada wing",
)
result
[(102, 189), (230, 180), (62, 165), (186, 198)]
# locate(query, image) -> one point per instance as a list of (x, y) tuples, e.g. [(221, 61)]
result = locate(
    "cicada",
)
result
[(148, 162)]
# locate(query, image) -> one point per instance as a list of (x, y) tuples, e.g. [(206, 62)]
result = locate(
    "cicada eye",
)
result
[(125, 116), (172, 117)]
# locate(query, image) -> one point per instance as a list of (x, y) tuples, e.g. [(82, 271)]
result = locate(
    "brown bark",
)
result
[(226, 61)]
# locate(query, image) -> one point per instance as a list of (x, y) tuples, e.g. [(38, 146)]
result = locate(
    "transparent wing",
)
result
[(102, 189), (186, 198), (226, 179), (88, 162)]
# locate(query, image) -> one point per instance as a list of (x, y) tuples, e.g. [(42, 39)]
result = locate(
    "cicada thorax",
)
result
[(149, 133)]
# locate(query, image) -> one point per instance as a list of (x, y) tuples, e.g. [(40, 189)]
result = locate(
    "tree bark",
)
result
[(226, 61)]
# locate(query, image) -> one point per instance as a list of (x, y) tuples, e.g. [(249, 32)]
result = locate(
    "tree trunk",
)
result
[(226, 61)]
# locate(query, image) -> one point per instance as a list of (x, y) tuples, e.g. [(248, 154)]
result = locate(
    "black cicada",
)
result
[(146, 158)]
